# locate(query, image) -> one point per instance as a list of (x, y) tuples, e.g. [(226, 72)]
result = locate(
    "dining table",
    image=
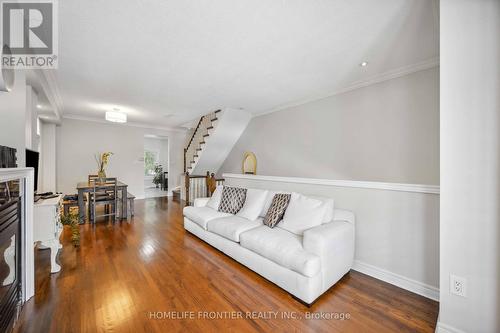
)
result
[(87, 187)]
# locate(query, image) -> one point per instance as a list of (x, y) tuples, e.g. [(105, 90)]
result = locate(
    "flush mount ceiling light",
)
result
[(116, 116), (363, 64)]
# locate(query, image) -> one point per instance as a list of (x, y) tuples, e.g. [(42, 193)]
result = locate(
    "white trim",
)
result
[(416, 188), (397, 280), (444, 328), (28, 174), (131, 124), (386, 76)]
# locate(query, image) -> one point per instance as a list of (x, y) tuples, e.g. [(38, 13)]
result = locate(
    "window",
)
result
[(150, 159)]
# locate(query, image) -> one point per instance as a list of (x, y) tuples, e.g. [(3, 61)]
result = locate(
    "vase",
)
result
[(101, 175)]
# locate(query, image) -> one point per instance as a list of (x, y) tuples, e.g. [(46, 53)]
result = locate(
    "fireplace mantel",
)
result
[(27, 259)]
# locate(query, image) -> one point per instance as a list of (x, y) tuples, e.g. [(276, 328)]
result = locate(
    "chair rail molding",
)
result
[(416, 188)]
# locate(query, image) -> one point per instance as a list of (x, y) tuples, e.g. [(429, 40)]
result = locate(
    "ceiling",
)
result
[(165, 63)]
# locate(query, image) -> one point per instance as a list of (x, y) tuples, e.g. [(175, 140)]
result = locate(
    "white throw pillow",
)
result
[(253, 205), (329, 210), (214, 201), (302, 213)]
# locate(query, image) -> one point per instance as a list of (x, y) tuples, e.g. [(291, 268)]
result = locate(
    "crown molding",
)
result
[(127, 124), (386, 76), (49, 84)]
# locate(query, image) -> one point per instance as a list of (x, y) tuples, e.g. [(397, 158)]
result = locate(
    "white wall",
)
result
[(48, 167), (13, 117), (79, 140), (397, 233), (470, 164), (32, 138), (383, 132)]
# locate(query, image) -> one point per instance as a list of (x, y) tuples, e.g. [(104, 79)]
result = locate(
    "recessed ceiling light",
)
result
[(363, 64), (116, 117), (39, 106)]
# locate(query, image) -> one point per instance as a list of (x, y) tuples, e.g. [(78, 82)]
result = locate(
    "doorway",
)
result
[(156, 166)]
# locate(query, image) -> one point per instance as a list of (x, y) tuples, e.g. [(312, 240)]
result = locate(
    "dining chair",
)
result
[(91, 180), (104, 193)]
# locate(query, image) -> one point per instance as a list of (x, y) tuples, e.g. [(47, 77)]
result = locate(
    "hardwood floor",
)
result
[(129, 277)]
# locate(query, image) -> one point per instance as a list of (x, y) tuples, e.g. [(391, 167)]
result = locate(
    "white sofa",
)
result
[(304, 265)]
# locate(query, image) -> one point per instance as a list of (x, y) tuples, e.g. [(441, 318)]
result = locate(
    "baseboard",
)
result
[(444, 328), (397, 280)]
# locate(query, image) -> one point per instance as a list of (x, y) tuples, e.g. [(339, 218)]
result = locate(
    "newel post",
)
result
[(186, 186), (185, 152), (211, 183)]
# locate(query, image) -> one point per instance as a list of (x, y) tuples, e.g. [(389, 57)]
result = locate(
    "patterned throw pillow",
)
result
[(277, 209), (232, 200)]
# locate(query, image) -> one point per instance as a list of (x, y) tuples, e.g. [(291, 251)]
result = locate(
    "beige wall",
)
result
[(385, 132)]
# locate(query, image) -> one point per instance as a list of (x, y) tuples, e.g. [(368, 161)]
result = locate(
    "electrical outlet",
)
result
[(458, 285)]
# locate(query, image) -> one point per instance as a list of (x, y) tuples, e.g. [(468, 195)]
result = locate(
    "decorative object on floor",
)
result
[(249, 166), (102, 162), (232, 200), (71, 220), (278, 207), (158, 171)]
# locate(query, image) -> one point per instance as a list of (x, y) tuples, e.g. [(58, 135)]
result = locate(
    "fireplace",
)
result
[(10, 254), (16, 243)]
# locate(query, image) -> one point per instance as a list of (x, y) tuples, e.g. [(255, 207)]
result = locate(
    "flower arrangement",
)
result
[(102, 162)]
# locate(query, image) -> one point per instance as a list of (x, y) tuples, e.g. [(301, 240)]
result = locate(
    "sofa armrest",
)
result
[(200, 202), (343, 215), (334, 243)]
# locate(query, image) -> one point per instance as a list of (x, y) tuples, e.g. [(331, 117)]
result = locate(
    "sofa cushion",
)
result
[(216, 197), (277, 209), (281, 247), (302, 213), (232, 226), (232, 200), (329, 204), (253, 205), (201, 215)]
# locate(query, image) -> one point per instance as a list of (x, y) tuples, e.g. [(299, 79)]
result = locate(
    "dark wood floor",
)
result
[(125, 274)]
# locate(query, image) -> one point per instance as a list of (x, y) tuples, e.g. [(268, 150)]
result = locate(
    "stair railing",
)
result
[(197, 186), (201, 132)]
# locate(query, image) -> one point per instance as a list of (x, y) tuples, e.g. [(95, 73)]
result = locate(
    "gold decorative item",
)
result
[(249, 166), (102, 162)]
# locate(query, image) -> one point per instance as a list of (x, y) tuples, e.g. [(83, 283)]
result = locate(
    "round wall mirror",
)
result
[(6, 74), (249, 164)]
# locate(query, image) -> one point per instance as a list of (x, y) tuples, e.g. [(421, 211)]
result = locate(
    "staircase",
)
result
[(212, 140), (192, 153), (209, 145)]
